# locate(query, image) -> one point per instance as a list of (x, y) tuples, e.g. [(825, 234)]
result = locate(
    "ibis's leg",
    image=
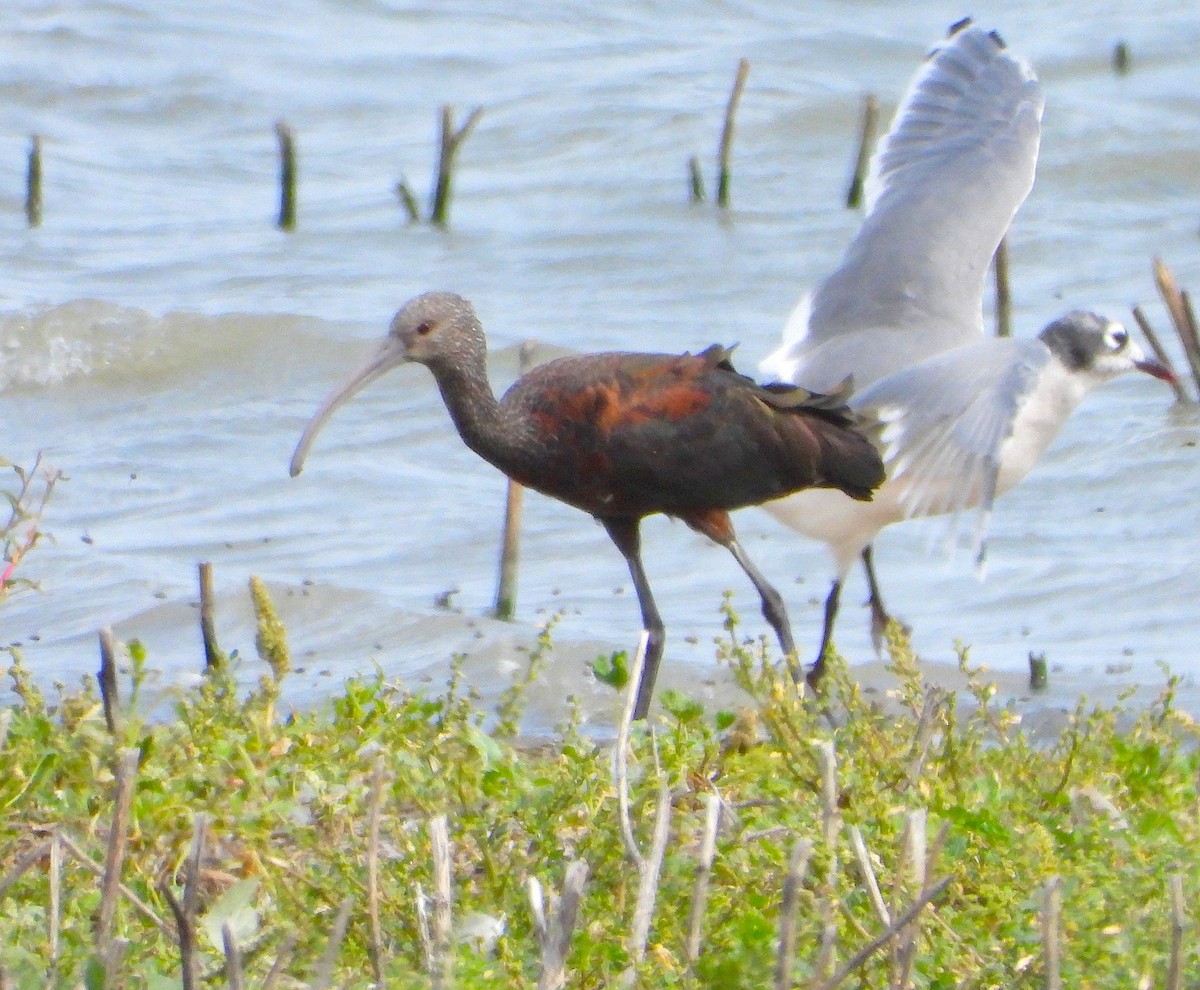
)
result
[(774, 611), (624, 533), (880, 617)]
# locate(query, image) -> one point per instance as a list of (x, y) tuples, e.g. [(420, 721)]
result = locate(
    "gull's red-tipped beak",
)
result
[(390, 354), (1160, 371)]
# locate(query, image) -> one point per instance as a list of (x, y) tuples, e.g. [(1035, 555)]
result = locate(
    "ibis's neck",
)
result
[(477, 414)]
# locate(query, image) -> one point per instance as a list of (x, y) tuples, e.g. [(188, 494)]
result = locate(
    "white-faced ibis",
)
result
[(623, 436), (965, 417)]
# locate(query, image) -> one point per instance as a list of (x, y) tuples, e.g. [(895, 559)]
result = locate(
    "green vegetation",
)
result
[(315, 848), (294, 811)]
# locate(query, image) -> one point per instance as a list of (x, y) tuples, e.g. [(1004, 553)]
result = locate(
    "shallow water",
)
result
[(164, 343)]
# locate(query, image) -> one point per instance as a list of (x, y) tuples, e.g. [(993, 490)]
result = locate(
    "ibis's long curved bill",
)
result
[(390, 354)]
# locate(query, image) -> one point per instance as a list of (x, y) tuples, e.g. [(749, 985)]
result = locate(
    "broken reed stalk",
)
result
[(621, 753), (929, 895), (862, 161), (28, 860), (708, 850), (1178, 923), (185, 910), (831, 826), (287, 176), (323, 977), (914, 855), (55, 919), (785, 958), (281, 960), (923, 736), (726, 146), (438, 955), (1003, 289), (649, 871), (451, 140), (233, 958), (1039, 672), (1179, 306), (373, 819), (695, 181), (124, 773), (1160, 352), (505, 605), (84, 860), (1051, 922), (859, 846), (108, 680), (554, 934), (213, 657), (33, 183)]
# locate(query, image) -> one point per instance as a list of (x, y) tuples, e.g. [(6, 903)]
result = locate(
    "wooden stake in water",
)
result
[(1003, 292), (695, 181), (505, 605), (407, 200), (33, 183), (866, 141), (1179, 306), (108, 679), (1120, 58), (451, 140), (726, 146), (213, 657), (287, 176)]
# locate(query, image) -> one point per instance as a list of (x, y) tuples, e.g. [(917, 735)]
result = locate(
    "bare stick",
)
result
[(407, 200), (868, 872), (108, 679), (862, 161), (185, 911), (55, 920), (555, 935), (868, 950), (114, 958), (33, 183), (1003, 291), (797, 869), (708, 849), (450, 142), (213, 657), (505, 605), (125, 773), (621, 752), (32, 857), (439, 839), (324, 974), (373, 819), (831, 821), (1160, 352), (233, 958), (281, 960), (923, 737), (726, 146), (287, 176), (1178, 923), (695, 181), (649, 871), (84, 860), (1178, 308), (1051, 920)]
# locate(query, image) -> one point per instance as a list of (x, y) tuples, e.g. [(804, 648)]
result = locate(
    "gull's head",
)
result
[(1098, 348)]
